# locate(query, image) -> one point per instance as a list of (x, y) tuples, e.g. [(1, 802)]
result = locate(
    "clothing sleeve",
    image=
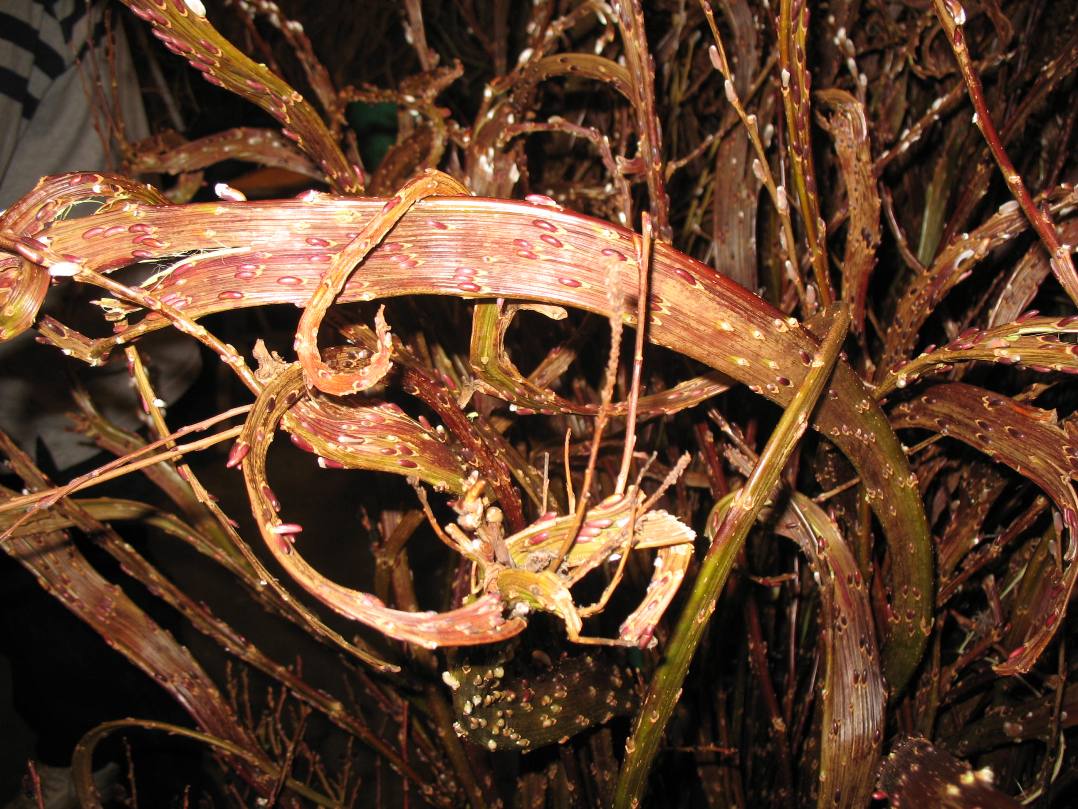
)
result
[(47, 48)]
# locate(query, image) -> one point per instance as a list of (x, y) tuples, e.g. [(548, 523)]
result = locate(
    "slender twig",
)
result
[(127, 464), (952, 15), (760, 167), (35, 780), (82, 759)]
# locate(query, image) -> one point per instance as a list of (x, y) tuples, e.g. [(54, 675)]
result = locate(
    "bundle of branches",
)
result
[(771, 269)]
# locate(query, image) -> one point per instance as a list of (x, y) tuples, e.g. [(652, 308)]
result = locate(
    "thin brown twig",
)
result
[(952, 15), (132, 462), (35, 781)]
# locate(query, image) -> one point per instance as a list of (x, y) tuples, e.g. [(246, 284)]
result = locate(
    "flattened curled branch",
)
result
[(319, 374), (474, 248), (481, 621)]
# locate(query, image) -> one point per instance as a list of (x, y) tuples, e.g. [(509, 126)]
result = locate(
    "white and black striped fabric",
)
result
[(47, 127), (40, 44), (38, 39)]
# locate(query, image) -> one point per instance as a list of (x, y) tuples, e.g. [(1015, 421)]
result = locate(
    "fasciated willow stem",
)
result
[(222, 64), (745, 506)]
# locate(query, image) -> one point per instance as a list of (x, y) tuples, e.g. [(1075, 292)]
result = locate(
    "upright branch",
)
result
[(643, 260), (82, 761), (844, 120), (745, 506), (641, 68), (796, 85), (415, 32), (760, 166), (602, 417)]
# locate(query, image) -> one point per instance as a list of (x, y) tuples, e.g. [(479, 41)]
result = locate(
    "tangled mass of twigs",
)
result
[(672, 215)]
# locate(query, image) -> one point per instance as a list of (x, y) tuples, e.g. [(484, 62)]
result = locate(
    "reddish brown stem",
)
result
[(951, 16)]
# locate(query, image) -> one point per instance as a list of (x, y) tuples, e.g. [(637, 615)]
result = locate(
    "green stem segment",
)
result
[(745, 506)]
